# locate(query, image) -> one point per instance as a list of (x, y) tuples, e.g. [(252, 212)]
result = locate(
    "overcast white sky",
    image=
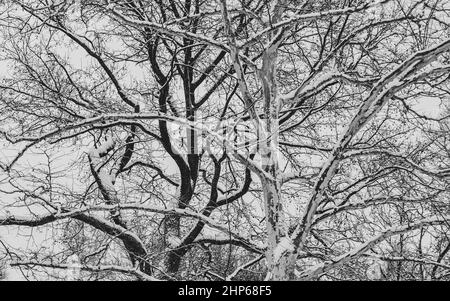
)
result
[(42, 237)]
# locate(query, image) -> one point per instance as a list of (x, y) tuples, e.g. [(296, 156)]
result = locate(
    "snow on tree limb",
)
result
[(379, 95), (358, 251), (98, 269), (311, 16)]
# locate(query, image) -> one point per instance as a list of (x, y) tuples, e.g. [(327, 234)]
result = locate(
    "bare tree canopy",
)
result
[(225, 139)]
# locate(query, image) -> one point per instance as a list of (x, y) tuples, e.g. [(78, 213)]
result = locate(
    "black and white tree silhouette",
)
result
[(226, 139)]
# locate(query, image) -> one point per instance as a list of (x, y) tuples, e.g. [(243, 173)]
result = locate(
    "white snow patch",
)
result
[(102, 149), (106, 180), (284, 245)]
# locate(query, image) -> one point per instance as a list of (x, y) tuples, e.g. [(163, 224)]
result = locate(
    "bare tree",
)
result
[(250, 140)]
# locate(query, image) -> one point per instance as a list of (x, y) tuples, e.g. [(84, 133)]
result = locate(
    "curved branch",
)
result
[(358, 251)]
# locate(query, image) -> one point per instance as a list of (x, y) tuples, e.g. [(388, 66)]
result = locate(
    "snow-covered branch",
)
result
[(91, 268), (379, 95), (311, 16), (370, 243)]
